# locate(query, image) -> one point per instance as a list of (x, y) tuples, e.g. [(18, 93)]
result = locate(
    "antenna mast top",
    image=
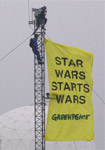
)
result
[(39, 17)]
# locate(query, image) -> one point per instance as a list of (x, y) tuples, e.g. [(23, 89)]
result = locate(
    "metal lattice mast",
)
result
[(39, 90), (39, 97)]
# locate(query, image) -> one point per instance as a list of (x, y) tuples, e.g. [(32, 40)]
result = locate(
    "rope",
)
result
[(14, 48)]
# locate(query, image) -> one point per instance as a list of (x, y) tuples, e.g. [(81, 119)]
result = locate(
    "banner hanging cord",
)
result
[(85, 79)]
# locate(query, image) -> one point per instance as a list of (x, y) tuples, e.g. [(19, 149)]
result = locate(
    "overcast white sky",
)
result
[(75, 23)]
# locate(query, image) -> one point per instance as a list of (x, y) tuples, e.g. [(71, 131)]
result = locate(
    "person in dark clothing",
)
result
[(40, 15), (35, 49)]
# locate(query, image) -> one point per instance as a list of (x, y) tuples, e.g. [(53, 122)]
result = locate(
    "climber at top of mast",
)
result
[(40, 16)]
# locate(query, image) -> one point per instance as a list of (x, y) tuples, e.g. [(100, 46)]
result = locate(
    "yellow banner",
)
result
[(70, 114)]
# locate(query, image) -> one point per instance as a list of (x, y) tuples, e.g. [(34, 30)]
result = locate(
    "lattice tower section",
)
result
[(39, 93)]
